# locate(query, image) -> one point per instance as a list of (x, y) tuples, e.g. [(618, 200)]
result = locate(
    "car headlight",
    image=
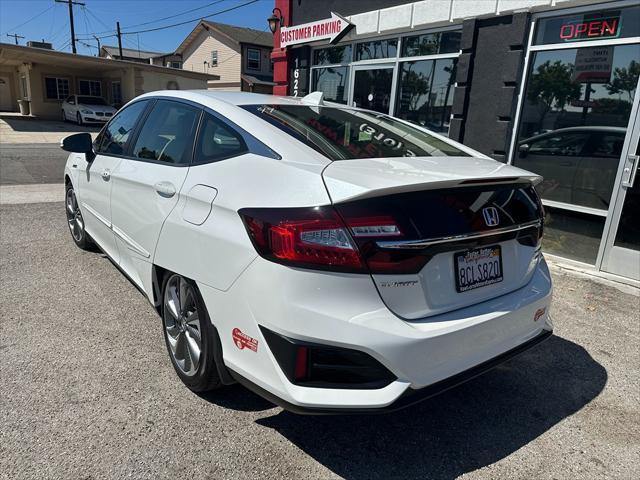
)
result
[(87, 112)]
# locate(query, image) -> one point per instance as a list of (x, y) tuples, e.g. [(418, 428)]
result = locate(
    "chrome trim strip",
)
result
[(456, 238)]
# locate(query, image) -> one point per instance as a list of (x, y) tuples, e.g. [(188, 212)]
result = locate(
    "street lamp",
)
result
[(275, 20)]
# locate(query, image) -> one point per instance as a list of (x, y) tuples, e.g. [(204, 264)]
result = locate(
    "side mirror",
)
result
[(523, 149), (79, 143)]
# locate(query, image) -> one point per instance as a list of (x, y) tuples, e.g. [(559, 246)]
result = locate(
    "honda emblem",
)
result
[(491, 217)]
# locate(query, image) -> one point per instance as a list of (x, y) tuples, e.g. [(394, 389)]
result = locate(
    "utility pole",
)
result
[(15, 37), (71, 3), (97, 40), (119, 39)]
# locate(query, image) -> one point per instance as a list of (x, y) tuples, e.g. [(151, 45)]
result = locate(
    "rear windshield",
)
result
[(345, 134), (91, 101)]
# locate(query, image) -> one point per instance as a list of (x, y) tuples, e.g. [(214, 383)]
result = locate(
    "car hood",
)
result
[(351, 179), (98, 108)]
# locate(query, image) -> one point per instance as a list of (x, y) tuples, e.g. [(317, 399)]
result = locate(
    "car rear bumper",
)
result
[(426, 356), (410, 396)]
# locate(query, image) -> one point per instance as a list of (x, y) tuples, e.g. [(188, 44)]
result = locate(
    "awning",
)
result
[(251, 80)]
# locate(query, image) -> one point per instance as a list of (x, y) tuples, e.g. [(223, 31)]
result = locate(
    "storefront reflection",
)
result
[(572, 132)]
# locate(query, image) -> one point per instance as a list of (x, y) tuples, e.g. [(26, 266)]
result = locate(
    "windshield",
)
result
[(91, 101), (345, 134)]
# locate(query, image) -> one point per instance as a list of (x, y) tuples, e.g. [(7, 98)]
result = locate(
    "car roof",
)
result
[(208, 97), (584, 128)]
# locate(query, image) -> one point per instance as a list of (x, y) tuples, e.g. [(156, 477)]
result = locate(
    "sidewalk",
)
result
[(16, 128)]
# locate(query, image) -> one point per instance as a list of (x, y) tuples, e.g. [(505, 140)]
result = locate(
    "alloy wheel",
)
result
[(182, 324), (74, 217)]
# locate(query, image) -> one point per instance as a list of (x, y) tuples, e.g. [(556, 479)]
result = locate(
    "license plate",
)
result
[(478, 268)]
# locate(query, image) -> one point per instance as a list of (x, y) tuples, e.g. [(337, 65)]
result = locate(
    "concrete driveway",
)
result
[(88, 392), (15, 128)]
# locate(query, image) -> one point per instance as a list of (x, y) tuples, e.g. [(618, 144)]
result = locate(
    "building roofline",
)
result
[(212, 26), (106, 61)]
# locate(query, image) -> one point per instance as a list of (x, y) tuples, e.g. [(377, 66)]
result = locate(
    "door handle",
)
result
[(165, 189), (630, 170), (106, 174)]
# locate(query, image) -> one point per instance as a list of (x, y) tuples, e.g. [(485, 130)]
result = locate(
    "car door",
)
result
[(555, 156), (597, 169), (146, 185), (94, 182)]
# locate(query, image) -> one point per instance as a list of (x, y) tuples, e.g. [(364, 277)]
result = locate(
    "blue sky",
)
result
[(100, 16)]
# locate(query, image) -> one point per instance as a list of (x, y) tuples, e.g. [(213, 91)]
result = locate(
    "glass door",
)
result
[(622, 250), (372, 88)]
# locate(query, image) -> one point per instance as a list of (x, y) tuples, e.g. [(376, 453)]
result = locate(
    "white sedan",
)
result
[(330, 258), (86, 109)]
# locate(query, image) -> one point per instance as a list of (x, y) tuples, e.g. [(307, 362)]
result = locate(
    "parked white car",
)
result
[(86, 109), (330, 258)]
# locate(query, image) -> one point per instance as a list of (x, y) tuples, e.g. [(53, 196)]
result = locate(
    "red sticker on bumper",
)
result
[(242, 340), (539, 313)]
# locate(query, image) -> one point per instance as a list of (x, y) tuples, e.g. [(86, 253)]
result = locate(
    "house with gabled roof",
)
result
[(240, 56)]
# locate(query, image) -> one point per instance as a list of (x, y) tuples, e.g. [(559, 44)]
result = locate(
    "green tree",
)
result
[(551, 86), (625, 80)]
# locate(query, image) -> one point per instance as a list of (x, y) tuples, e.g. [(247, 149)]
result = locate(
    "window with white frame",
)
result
[(90, 87), (253, 59), (214, 58), (56, 88)]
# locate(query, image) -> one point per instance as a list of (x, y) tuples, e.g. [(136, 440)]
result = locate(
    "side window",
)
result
[(116, 133), (217, 141), (168, 133), (71, 100), (561, 144), (608, 146)]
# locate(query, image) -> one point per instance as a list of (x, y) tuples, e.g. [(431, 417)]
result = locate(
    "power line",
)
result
[(174, 15), (32, 18), (185, 22), (160, 19)]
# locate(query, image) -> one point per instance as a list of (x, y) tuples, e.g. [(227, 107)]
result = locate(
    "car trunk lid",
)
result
[(434, 218)]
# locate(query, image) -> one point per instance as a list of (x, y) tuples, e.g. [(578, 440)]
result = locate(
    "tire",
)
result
[(187, 328), (64, 116), (75, 221), (79, 119)]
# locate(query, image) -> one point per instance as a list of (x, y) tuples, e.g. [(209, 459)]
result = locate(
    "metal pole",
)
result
[(73, 32), (119, 40)]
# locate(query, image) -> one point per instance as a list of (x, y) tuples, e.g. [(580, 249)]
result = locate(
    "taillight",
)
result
[(304, 237), (320, 238)]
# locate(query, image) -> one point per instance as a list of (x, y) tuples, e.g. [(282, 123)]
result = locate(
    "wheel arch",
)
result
[(158, 275)]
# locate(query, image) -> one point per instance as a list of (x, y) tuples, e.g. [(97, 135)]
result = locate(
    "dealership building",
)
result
[(547, 85)]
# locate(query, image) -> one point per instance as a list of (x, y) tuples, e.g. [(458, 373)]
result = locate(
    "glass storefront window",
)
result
[(431, 44), (377, 49), (425, 93), (598, 25), (333, 55), (576, 109), (332, 81), (572, 235)]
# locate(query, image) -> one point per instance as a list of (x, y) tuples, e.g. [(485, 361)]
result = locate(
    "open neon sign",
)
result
[(591, 29)]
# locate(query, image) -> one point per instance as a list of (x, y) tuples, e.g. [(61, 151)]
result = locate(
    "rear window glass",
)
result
[(345, 134)]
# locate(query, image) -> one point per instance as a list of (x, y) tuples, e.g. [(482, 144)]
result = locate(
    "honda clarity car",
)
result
[(331, 259)]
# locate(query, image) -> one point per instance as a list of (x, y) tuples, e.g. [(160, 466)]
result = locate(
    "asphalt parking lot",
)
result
[(88, 392)]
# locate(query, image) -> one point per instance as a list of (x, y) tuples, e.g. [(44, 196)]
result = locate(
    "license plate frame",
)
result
[(474, 261)]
